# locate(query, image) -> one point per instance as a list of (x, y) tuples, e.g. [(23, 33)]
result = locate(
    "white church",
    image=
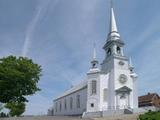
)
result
[(109, 88)]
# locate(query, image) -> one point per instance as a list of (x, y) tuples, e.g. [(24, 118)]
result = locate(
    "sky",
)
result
[(59, 35)]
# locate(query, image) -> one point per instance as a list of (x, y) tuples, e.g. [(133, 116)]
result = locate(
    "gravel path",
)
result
[(45, 118), (121, 117)]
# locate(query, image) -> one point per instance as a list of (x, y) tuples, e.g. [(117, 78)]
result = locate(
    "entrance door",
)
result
[(123, 101)]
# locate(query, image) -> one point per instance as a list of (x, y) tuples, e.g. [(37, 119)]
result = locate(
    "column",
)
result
[(122, 51), (114, 49), (129, 100), (117, 105)]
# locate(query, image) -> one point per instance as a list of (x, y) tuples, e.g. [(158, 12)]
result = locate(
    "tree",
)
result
[(18, 78), (16, 108)]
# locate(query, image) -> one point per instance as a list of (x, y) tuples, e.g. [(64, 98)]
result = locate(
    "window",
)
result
[(123, 96), (92, 104), (109, 52), (56, 106), (105, 95), (94, 64), (71, 102), (118, 50), (60, 106), (78, 101), (93, 87), (65, 104)]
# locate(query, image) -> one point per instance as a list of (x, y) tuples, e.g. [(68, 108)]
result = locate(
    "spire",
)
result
[(130, 64), (113, 24), (94, 61), (113, 31), (94, 51), (114, 44)]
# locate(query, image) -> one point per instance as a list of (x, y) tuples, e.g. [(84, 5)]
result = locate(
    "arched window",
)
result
[(123, 96), (71, 103), (56, 106), (93, 87), (118, 50), (60, 106), (109, 52), (65, 104), (105, 94), (78, 101), (94, 65)]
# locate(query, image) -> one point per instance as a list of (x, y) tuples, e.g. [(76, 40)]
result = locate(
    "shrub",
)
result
[(150, 115)]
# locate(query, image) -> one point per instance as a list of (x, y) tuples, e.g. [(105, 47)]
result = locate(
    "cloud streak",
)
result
[(38, 15), (61, 34)]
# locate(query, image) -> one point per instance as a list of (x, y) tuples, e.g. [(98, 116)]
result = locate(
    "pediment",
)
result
[(123, 89)]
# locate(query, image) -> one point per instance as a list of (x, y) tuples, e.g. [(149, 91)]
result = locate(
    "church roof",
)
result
[(73, 89)]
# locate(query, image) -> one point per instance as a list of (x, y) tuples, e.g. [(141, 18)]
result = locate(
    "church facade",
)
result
[(113, 86)]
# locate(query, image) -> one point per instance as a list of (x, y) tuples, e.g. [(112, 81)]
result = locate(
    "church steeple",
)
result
[(94, 61), (131, 67), (114, 45), (94, 52), (113, 31), (130, 63)]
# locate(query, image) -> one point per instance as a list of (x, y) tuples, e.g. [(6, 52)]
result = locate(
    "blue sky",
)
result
[(59, 35)]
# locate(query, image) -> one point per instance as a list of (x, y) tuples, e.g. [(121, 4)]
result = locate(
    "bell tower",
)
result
[(122, 79), (114, 45), (93, 91)]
